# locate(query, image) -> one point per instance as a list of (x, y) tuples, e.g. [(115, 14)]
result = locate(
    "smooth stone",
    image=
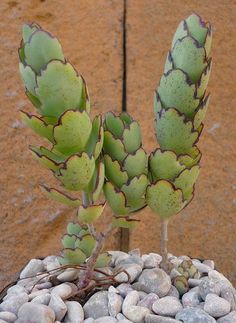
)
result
[(167, 306), (152, 260), (75, 312), (173, 292), (97, 305), (135, 252), (37, 293), (155, 281), (132, 259), (176, 262), (37, 313), (64, 290), (209, 263), (117, 256), (134, 313), (174, 273), (105, 271), (8, 316), (114, 303), (142, 294), (34, 267), (89, 320), (139, 287), (68, 275), (230, 318), (183, 257), (204, 269), (42, 299), (151, 318), (133, 270), (15, 290), (122, 319), (216, 306), (193, 282), (113, 289), (45, 285), (51, 263), (13, 303), (209, 286), (58, 307), (191, 299), (214, 274), (106, 319), (3, 321), (194, 315), (229, 293), (148, 300), (124, 289), (28, 283)]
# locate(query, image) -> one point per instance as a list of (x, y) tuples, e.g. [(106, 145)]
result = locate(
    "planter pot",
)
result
[(137, 290)]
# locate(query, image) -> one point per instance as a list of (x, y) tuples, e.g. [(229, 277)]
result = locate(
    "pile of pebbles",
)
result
[(148, 297)]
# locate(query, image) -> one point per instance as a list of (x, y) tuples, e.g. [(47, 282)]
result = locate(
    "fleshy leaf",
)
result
[(114, 124), (86, 244), (201, 112), (115, 199), (164, 199), (38, 125), (42, 48), (61, 197), (113, 147), (90, 213), (132, 137), (95, 142), (192, 158), (197, 28), (34, 100), (68, 240), (98, 181), (28, 30), (47, 158), (186, 180), (77, 172), (73, 228), (174, 133), (72, 257), (28, 77), (113, 172), (164, 165), (59, 88), (136, 164), (103, 260), (124, 222), (72, 132), (135, 190)]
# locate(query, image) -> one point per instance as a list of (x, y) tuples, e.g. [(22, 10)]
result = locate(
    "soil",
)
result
[(91, 33)]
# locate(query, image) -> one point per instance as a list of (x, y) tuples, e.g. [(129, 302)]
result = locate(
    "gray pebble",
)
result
[(64, 290), (114, 303), (121, 318), (42, 299), (209, 286), (216, 306), (174, 273), (151, 318), (51, 262), (167, 306), (45, 285), (117, 256), (135, 252), (97, 305), (155, 281), (230, 318), (37, 313), (134, 313), (15, 290), (209, 263), (148, 300), (37, 293), (58, 307), (173, 292), (201, 267), (106, 319), (32, 268), (13, 303), (134, 270), (8, 316), (152, 261), (3, 321), (75, 312), (191, 299), (193, 282), (142, 294), (89, 320), (194, 315), (68, 275), (124, 289), (229, 293)]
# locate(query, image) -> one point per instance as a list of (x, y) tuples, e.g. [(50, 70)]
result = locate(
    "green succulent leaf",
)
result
[(47, 158), (77, 172), (174, 132), (163, 198), (177, 91), (136, 163), (114, 147), (68, 241), (61, 197), (201, 112), (192, 158), (134, 192), (113, 172), (132, 137), (28, 30), (103, 260), (97, 180), (34, 100), (40, 49), (72, 257), (116, 199), (95, 142), (86, 244), (197, 28), (124, 222), (203, 82), (114, 124), (38, 125), (126, 118), (73, 228), (186, 180), (164, 165), (72, 132), (89, 214), (28, 77), (59, 88)]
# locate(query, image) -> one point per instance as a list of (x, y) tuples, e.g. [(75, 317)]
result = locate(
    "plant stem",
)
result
[(164, 240), (85, 199)]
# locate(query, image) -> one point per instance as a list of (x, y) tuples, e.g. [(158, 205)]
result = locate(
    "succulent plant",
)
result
[(125, 167), (188, 270), (180, 105), (181, 284)]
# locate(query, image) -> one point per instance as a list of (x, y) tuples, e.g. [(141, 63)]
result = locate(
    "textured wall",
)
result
[(91, 34)]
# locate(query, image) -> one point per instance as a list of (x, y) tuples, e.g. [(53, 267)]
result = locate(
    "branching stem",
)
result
[(164, 241)]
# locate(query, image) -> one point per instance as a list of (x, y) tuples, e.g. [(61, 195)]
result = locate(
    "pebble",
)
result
[(89, 320), (209, 263), (45, 285), (152, 260), (230, 318), (150, 318), (155, 281), (64, 290), (117, 256), (148, 300), (191, 298), (34, 267), (216, 306), (194, 315), (114, 303), (134, 313), (209, 286), (106, 319), (142, 294), (75, 312), (229, 293), (68, 275), (124, 289), (193, 282), (8, 316), (167, 306), (37, 313), (174, 273), (173, 292), (58, 307), (202, 268), (13, 303), (42, 299), (37, 293), (121, 318), (51, 263), (15, 290), (3, 321), (97, 305), (134, 270), (132, 259)]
